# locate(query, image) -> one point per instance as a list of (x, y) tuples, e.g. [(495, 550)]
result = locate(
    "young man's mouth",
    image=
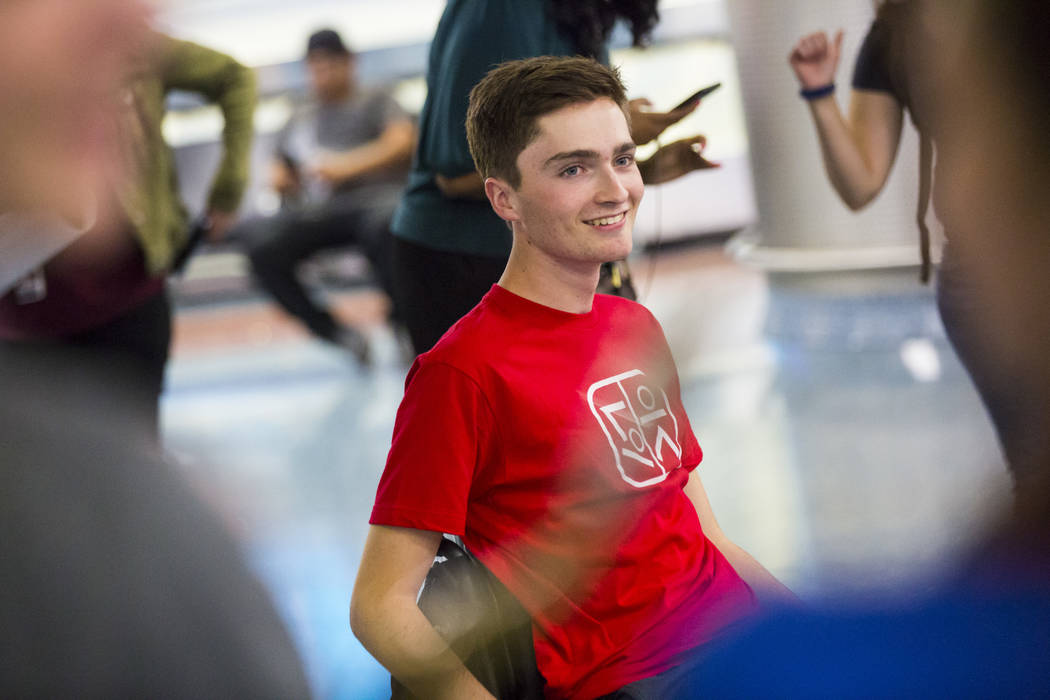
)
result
[(606, 221)]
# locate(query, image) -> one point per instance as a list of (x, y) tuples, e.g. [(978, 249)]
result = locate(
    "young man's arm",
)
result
[(767, 588), (385, 617)]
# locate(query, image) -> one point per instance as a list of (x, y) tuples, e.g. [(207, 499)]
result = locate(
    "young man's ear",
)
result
[(501, 197)]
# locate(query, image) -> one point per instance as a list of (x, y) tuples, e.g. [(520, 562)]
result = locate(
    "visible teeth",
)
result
[(608, 220)]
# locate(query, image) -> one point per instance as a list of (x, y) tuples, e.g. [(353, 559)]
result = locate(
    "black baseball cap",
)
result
[(328, 41)]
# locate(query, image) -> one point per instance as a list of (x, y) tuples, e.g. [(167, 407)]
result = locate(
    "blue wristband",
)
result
[(818, 92)]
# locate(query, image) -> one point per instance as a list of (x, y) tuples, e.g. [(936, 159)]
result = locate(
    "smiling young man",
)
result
[(546, 427)]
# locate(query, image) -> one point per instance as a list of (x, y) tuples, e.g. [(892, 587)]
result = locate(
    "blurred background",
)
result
[(845, 447)]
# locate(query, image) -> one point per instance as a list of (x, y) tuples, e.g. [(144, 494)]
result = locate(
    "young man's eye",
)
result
[(625, 160), (571, 171)]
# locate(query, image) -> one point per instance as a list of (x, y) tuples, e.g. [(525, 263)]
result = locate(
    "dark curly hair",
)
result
[(588, 23)]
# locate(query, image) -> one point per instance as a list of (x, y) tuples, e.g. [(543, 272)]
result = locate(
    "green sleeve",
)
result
[(230, 85)]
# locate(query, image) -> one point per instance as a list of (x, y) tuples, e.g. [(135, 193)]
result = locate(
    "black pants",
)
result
[(435, 288), (137, 345), (114, 370), (277, 245)]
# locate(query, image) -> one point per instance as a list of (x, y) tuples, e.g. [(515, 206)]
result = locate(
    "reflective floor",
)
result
[(844, 446)]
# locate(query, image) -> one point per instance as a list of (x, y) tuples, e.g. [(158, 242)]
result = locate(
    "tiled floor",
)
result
[(844, 446)]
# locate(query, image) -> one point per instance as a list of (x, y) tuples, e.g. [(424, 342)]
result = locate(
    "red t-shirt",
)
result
[(556, 445)]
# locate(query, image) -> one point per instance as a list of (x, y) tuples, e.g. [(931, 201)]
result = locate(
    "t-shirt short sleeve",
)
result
[(442, 428), (872, 70), (384, 110)]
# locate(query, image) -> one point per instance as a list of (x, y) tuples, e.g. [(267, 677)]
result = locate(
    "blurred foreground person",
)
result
[(115, 582), (94, 278), (892, 76), (58, 106), (340, 169), (449, 247), (546, 428), (985, 632)]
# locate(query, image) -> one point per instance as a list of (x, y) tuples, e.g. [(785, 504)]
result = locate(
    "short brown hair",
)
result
[(508, 102)]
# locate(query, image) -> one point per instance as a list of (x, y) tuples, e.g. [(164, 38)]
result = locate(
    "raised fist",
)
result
[(815, 60)]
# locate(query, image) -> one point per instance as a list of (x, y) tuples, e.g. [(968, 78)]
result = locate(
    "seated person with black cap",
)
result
[(340, 166)]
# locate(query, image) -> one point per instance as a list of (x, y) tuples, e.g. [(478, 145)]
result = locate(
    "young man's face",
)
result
[(580, 186)]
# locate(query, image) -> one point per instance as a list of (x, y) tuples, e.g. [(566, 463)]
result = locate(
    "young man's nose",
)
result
[(612, 187)]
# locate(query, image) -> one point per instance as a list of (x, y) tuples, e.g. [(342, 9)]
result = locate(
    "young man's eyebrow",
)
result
[(580, 154), (586, 154)]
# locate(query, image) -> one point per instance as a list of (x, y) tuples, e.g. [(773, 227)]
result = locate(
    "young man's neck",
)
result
[(561, 287)]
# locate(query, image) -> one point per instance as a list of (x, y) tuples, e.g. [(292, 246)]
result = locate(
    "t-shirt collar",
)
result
[(508, 301)]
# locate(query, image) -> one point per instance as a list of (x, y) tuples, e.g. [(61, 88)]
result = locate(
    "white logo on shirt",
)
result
[(639, 425)]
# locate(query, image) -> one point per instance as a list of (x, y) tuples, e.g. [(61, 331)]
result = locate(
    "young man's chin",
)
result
[(623, 248)]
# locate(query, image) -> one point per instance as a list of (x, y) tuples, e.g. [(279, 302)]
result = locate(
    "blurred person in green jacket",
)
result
[(93, 275), (339, 167)]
